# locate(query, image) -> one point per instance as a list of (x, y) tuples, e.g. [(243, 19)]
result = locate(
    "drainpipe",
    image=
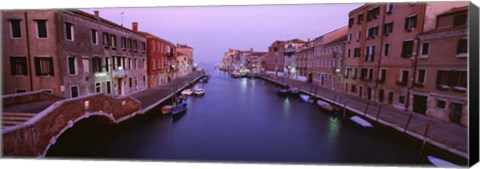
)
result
[(28, 52)]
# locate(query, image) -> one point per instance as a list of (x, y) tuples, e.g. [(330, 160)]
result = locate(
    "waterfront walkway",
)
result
[(152, 97), (446, 135)]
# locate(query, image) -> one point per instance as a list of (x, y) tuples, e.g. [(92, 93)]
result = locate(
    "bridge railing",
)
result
[(34, 137), (21, 98)]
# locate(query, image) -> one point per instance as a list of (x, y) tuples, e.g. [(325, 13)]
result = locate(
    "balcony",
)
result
[(119, 73)]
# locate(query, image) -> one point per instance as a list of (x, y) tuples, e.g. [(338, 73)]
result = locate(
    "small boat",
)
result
[(235, 74), (167, 109), (199, 92), (202, 80), (187, 92), (294, 91), (441, 163), (306, 98), (325, 106), (179, 110), (360, 121), (281, 91)]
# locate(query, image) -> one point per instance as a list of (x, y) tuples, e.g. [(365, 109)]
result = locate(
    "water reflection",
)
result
[(333, 129), (286, 108)]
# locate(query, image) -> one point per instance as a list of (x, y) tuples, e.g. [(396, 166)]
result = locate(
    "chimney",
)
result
[(135, 26), (97, 14)]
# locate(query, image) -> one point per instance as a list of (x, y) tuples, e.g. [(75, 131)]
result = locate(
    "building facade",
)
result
[(440, 85), (184, 59), (71, 53)]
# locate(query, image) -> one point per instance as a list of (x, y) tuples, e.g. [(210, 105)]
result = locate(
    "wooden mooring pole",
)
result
[(425, 137), (366, 109), (408, 122), (378, 112)]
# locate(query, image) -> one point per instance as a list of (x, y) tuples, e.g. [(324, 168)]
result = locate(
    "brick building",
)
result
[(440, 84), (381, 48), (184, 59), (70, 53)]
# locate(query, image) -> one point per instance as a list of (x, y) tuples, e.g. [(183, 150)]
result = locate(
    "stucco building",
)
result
[(70, 53)]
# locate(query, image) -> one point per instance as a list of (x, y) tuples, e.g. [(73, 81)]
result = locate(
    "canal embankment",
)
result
[(430, 133), (152, 97)]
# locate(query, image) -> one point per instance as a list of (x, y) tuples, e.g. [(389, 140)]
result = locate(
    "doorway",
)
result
[(390, 97), (310, 78), (360, 93), (120, 86), (456, 114), (419, 104)]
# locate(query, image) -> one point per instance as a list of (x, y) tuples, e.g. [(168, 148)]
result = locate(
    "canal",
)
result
[(238, 120)]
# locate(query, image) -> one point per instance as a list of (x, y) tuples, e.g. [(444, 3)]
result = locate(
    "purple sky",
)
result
[(212, 30)]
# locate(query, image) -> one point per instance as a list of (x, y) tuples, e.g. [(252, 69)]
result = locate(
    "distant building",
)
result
[(185, 59), (291, 47), (303, 58), (328, 59), (70, 53)]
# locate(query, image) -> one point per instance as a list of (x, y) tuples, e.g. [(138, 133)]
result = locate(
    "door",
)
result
[(322, 80), (334, 81), (310, 78), (419, 104), (120, 86), (369, 93), (456, 114), (390, 98), (360, 93)]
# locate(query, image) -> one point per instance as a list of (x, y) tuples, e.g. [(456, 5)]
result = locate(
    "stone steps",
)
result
[(15, 118)]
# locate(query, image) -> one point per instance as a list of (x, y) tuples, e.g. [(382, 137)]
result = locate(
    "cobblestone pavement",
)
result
[(446, 135), (151, 97)]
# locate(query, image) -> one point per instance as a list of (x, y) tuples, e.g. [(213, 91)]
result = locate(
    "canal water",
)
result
[(238, 120)]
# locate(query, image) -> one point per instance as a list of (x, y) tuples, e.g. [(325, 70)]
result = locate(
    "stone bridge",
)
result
[(40, 131)]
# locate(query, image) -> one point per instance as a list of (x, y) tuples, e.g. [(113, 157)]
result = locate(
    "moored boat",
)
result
[(199, 92), (326, 106), (361, 122), (179, 110), (441, 163), (294, 91), (167, 109), (187, 92), (306, 98), (281, 91)]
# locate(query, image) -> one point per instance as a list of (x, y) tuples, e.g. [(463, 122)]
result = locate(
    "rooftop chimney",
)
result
[(97, 14), (135, 26)]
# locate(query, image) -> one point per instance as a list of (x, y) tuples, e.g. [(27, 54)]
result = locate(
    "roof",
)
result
[(149, 34), (93, 17), (183, 46), (455, 10)]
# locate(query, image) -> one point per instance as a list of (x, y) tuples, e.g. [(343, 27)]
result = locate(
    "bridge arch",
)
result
[(72, 123)]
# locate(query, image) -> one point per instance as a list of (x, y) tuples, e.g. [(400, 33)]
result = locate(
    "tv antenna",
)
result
[(121, 18)]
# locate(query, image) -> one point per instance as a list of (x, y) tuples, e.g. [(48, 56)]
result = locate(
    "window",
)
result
[(347, 71), (421, 76), (386, 49), (135, 45), (348, 53), (356, 52), (388, 28), (68, 31), (113, 63), (106, 39), (109, 87), (354, 73), (350, 22), (441, 104), (18, 65), (462, 47), (130, 82), (15, 28), (370, 53), (74, 91), (94, 35), (372, 32), (451, 78), (349, 37), (389, 8), (373, 13), (425, 48), (113, 40), (363, 73), (72, 65), (460, 19), (43, 66), (360, 19), (359, 35), (153, 46), (381, 95), (20, 90), (124, 43), (86, 65), (353, 88), (42, 28), (407, 48), (98, 88), (107, 64), (97, 64), (401, 99), (143, 46), (383, 75), (403, 78), (411, 23), (130, 44)]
